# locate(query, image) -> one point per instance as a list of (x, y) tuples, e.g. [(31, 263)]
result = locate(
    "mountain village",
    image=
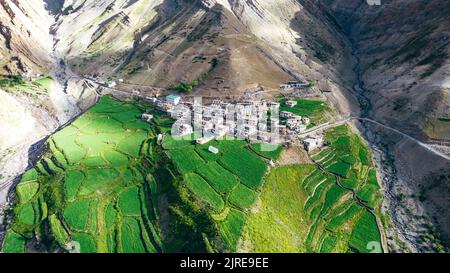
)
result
[(254, 121)]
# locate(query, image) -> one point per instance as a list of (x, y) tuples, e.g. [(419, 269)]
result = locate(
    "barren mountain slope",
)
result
[(24, 37), (229, 46)]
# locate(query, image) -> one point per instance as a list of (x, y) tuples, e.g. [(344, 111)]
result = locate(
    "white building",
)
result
[(213, 150), (180, 111), (285, 114), (312, 143), (291, 103), (246, 131), (173, 99), (263, 136), (273, 105), (217, 120), (300, 128), (221, 130), (262, 126), (147, 117), (207, 138), (292, 123), (181, 129), (253, 121)]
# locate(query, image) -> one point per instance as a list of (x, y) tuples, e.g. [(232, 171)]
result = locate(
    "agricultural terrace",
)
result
[(92, 186), (312, 208), (269, 151), (40, 86), (227, 184), (316, 110)]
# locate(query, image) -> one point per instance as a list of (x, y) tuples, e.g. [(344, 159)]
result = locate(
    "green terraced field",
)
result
[(107, 184), (310, 208), (13, 243), (27, 190), (314, 109), (219, 178), (249, 168), (93, 164), (242, 196), (280, 223), (204, 191), (186, 159), (268, 150), (231, 228), (226, 182)]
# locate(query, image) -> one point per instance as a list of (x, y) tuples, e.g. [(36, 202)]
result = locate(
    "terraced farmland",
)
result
[(227, 184), (328, 206), (107, 184), (90, 188)]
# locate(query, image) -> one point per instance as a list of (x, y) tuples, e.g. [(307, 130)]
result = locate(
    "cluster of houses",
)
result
[(294, 85), (255, 121), (112, 84), (246, 120), (295, 123)]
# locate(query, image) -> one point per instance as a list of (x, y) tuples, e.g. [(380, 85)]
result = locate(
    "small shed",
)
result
[(213, 150)]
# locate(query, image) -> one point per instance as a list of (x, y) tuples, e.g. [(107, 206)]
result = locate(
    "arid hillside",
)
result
[(24, 37), (227, 46)]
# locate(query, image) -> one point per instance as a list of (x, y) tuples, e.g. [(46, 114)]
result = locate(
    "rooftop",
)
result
[(173, 96)]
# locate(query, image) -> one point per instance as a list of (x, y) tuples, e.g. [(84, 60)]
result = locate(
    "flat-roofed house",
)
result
[(293, 85), (221, 130), (213, 150), (286, 114), (181, 129), (147, 117), (291, 103), (312, 143), (173, 99)]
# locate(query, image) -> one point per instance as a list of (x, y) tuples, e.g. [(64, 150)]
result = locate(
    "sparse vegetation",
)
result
[(11, 81), (184, 87)]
